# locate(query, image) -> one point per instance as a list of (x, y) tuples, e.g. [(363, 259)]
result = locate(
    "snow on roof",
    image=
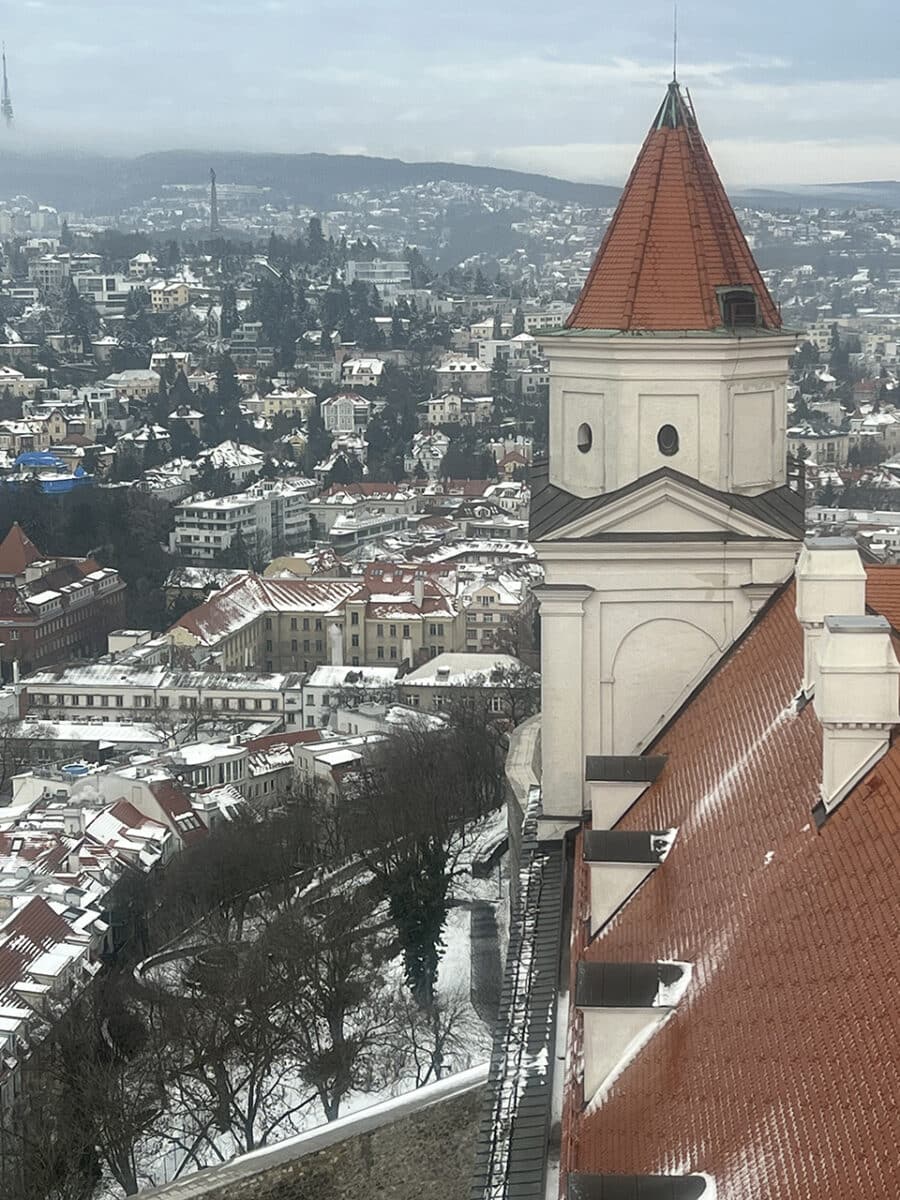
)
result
[(129, 733), (360, 677), (460, 670)]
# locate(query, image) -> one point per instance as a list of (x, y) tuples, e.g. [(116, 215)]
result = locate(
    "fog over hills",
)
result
[(97, 184)]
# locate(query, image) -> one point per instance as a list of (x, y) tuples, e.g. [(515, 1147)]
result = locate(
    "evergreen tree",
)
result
[(518, 325), (315, 241), (229, 320), (65, 236)]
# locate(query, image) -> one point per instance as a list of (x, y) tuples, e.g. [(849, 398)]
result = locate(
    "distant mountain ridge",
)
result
[(95, 183)]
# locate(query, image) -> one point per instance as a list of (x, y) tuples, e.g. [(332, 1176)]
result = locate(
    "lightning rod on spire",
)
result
[(674, 41)]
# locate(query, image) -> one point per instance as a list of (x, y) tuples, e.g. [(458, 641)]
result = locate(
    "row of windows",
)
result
[(73, 700)]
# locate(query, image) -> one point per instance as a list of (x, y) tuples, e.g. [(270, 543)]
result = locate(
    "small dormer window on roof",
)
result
[(739, 307)]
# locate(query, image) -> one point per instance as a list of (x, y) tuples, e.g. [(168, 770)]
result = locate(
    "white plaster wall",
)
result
[(656, 618), (609, 801), (611, 885), (726, 397), (656, 665), (611, 1037)]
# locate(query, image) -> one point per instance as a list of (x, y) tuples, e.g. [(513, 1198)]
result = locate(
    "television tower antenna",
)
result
[(6, 108), (213, 204)]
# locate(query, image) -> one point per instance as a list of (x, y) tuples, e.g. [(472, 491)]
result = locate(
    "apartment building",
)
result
[(389, 276), (167, 296), (53, 608), (388, 616), (272, 515), (118, 691), (346, 412), (204, 529)]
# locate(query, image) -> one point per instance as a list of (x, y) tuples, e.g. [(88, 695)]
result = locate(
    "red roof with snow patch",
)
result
[(777, 1072)]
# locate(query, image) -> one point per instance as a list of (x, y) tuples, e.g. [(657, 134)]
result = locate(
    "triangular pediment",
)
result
[(667, 506)]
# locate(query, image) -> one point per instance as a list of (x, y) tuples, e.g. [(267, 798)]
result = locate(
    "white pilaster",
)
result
[(562, 703)]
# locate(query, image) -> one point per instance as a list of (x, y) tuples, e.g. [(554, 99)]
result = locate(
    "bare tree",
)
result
[(329, 959)]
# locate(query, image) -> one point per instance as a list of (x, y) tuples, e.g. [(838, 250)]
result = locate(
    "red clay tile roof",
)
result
[(883, 591), (17, 551), (673, 240), (23, 938), (778, 1073)]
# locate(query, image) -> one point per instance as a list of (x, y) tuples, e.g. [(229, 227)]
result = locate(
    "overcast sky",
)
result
[(786, 91)]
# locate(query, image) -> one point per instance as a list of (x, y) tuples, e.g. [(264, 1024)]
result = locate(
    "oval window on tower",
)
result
[(667, 440), (585, 438)]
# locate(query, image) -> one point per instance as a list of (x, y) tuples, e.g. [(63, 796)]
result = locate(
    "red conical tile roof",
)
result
[(674, 241), (17, 551)]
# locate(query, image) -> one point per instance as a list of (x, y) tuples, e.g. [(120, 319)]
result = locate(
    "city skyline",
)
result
[(777, 102)]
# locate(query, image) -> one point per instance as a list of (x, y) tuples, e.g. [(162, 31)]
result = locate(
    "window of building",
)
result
[(406, 631), (319, 645), (379, 631), (293, 645), (268, 622), (306, 645), (269, 647), (293, 622), (242, 704), (379, 653), (584, 438), (393, 651), (354, 618), (306, 624), (318, 626), (738, 307), (120, 701), (354, 640), (667, 440)]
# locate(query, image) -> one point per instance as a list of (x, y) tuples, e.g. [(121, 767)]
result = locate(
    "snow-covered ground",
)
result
[(160, 1162)]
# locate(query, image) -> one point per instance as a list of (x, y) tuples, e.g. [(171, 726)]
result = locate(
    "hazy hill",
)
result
[(93, 183), (96, 183)]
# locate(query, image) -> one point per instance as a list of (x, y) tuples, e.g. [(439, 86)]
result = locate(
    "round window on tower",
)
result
[(667, 440), (585, 438)]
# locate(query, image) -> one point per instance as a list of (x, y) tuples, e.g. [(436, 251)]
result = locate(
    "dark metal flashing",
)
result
[(623, 768), (625, 846), (622, 985), (512, 1146), (551, 508), (635, 1187)]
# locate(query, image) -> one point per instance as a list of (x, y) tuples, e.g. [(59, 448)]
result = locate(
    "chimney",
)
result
[(419, 591), (336, 644), (15, 671), (856, 700), (406, 651), (831, 579)]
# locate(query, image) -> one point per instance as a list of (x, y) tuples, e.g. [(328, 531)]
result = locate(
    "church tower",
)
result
[(664, 518)]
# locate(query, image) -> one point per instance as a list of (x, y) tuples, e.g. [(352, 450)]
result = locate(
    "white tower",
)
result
[(664, 519)]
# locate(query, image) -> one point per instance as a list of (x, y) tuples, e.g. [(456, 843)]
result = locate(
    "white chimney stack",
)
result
[(406, 651), (856, 700), (419, 591), (831, 579), (336, 644)]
